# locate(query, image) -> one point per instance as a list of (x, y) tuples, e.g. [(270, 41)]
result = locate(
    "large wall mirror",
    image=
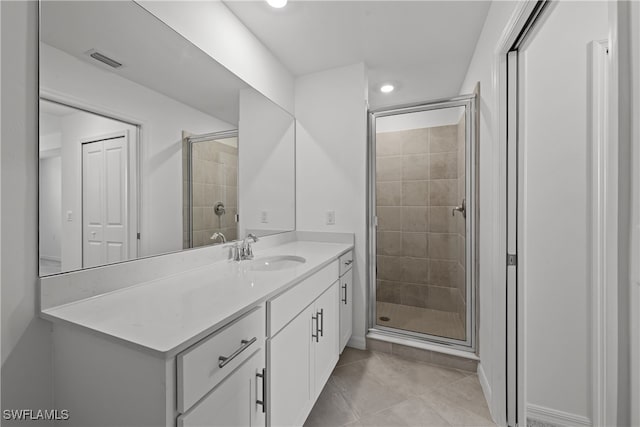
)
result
[(147, 144)]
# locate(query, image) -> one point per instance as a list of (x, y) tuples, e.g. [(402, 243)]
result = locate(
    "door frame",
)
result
[(188, 139), (634, 90), (136, 153), (469, 102), (604, 223)]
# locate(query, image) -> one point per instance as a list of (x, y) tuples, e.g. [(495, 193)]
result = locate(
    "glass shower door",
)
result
[(422, 278)]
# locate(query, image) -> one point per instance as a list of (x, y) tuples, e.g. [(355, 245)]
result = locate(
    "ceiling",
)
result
[(152, 54), (423, 47)]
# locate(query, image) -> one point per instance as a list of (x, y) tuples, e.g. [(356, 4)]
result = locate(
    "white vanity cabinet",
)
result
[(302, 346), (237, 401), (161, 354), (104, 382), (346, 298), (220, 380)]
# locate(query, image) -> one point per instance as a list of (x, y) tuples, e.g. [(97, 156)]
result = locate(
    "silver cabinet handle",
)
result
[(344, 300), (462, 209), (263, 402), (317, 333), (348, 262), (321, 315), (245, 344)]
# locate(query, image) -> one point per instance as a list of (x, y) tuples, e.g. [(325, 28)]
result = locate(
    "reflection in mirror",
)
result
[(148, 145), (210, 190)]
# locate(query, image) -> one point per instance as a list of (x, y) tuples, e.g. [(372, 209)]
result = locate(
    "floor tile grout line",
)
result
[(431, 405), (351, 406), (459, 407), (457, 401)]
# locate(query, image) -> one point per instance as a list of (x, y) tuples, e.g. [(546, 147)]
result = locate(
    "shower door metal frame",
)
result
[(194, 139), (469, 102)]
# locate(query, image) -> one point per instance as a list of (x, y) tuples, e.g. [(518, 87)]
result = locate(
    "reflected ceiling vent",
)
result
[(103, 58)]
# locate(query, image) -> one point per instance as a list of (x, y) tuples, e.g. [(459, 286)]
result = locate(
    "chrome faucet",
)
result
[(218, 235), (247, 250), (244, 251)]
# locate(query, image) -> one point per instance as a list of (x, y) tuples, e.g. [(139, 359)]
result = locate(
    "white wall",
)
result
[(162, 120), (266, 165), (331, 153), (212, 27), (491, 285), (50, 208), (555, 217), (26, 339)]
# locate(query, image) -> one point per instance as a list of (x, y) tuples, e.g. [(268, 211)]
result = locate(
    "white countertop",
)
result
[(167, 315)]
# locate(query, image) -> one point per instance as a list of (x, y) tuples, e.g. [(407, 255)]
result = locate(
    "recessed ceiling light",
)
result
[(386, 88), (277, 3)]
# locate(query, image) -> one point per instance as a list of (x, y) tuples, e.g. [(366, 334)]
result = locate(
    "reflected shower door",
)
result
[(422, 283), (210, 188)]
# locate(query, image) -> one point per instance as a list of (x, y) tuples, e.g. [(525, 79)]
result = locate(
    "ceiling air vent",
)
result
[(103, 58)]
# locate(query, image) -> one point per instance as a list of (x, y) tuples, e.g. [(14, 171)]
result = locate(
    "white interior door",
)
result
[(105, 210)]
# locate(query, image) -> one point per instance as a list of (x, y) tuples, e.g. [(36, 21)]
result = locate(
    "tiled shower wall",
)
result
[(215, 179), (419, 241)]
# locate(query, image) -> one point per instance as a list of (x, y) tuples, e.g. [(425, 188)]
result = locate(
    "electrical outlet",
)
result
[(331, 217), (264, 217), (69, 216)]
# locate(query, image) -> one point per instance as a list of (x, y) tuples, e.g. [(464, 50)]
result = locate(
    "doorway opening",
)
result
[(422, 212)]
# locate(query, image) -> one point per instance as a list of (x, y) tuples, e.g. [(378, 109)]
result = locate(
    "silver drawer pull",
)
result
[(245, 344), (348, 262), (344, 300), (263, 402), (317, 334)]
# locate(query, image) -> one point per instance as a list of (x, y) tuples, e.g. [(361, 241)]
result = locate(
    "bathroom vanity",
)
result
[(245, 343)]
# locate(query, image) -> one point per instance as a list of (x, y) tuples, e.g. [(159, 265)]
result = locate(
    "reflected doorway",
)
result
[(88, 192)]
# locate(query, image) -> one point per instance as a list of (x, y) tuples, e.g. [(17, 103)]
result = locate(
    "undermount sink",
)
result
[(277, 262)]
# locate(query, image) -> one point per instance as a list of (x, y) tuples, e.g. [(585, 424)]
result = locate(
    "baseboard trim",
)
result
[(486, 389), (553, 416), (357, 342)]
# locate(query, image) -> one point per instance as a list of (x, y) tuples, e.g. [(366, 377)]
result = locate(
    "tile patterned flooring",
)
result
[(418, 319), (377, 389)]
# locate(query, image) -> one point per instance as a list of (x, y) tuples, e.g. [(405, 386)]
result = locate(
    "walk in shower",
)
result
[(422, 222), (210, 188)]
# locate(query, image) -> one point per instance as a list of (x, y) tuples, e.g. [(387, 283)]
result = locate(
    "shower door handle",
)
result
[(462, 208)]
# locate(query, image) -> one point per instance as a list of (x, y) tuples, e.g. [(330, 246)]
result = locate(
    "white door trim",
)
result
[(634, 299), (500, 382), (603, 173)]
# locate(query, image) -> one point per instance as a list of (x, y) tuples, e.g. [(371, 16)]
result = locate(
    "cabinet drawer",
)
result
[(233, 402), (285, 307), (199, 367), (346, 261)]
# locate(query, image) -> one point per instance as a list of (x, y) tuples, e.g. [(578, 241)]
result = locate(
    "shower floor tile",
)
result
[(422, 320)]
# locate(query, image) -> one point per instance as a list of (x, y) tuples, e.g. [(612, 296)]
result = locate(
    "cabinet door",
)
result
[(346, 308), (233, 402), (289, 371), (326, 349)]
